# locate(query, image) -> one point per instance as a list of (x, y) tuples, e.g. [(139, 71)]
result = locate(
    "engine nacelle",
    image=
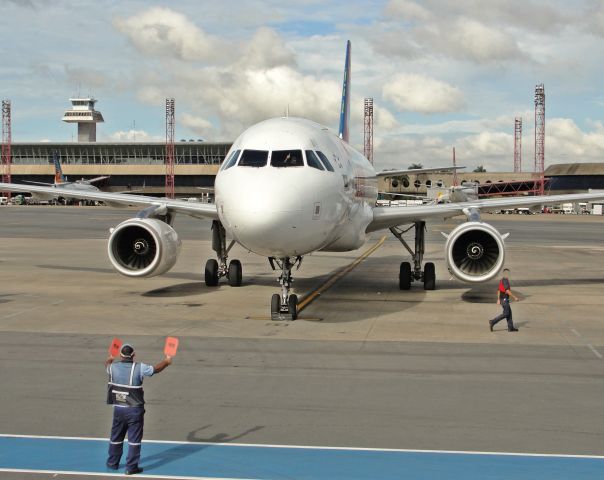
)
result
[(143, 247), (475, 252)]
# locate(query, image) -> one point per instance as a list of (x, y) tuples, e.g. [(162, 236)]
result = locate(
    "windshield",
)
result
[(287, 158), (253, 158), (229, 162), (313, 161), (325, 161)]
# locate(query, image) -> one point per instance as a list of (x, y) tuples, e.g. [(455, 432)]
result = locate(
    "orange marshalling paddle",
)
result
[(114, 348), (171, 346)]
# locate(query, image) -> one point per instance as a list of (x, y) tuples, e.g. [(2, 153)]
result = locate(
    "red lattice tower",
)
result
[(6, 144), (170, 147), (517, 145), (540, 137), (368, 135)]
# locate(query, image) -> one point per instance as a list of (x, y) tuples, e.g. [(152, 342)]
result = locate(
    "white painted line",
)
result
[(316, 447), (108, 474), (21, 312), (596, 353), (575, 332)]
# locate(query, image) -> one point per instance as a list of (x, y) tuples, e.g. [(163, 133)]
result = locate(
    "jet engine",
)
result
[(475, 252), (143, 247)]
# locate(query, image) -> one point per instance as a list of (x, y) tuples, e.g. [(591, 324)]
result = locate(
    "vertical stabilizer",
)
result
[(59, 178), (345, 107)]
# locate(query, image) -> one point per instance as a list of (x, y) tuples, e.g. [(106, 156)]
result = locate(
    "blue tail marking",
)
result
[(345, 106), (59, 177)]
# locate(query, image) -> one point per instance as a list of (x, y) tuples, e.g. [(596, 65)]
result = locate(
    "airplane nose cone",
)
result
[(266, 219)]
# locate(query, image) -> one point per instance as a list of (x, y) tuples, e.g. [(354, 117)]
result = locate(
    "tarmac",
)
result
[(366, 366)]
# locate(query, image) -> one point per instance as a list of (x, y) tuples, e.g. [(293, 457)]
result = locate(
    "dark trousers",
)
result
[(126, 420), (507, 314)]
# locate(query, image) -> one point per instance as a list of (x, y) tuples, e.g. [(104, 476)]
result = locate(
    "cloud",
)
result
[(419, 93), (407, 10), (267, 50), (164, 32), (134, 135), (197, 125)]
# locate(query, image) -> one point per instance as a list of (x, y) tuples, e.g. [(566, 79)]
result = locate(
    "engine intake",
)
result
[(143, 247), (475, 252)]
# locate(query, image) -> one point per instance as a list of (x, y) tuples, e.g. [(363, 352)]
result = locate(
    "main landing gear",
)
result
[(285, 306), (407, 273), (216, 269)]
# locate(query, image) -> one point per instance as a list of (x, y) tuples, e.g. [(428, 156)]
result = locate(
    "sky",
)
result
[(442, 73)]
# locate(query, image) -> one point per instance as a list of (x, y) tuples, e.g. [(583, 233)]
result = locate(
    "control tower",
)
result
[(83, 113)]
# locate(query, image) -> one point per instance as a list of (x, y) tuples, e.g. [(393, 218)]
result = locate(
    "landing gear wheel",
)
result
[(404, 279), (276, 306), (211, 273), (292, 303), (235, 272), (429, 276)]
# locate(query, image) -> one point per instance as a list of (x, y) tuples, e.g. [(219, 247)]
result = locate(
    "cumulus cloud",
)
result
[(407, 10), (164, 32), (267, 49), (134, 135), (419, 93), (197, 125)]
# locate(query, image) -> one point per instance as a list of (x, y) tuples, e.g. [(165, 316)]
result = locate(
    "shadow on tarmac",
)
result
[(184, 450)]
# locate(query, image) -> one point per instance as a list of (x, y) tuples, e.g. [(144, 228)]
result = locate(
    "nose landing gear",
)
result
[(284, 306), (216, 269)]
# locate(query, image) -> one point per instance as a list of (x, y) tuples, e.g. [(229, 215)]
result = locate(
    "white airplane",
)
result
[(61, 183), (289, 187)]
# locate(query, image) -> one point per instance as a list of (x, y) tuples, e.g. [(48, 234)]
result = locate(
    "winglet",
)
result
[(345, 106), (59, 177)]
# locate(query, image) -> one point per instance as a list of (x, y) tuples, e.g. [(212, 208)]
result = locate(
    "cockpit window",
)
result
[(232, 160), (253, 158), (313, 161), (287, 158), (325, 161)]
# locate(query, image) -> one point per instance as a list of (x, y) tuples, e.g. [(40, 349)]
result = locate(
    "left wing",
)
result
[(416, 171), (199, 210), (93, 180), (386, 217)]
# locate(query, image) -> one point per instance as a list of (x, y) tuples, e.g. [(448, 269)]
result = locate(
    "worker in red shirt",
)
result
[(504, 293)]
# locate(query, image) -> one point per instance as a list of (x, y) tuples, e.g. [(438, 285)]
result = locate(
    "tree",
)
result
[(416, 166), (480, 169)]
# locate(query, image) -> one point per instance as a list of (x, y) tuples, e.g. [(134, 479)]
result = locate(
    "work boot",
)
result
[(491, 325), (134, 471), (513, 329)]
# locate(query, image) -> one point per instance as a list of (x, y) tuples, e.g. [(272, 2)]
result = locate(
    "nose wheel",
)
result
[(284, 306)]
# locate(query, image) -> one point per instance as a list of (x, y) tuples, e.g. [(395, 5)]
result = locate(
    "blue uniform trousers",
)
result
[(126, 420), (507, 314)]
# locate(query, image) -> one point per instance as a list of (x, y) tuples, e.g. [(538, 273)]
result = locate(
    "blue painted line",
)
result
[(174, 459)]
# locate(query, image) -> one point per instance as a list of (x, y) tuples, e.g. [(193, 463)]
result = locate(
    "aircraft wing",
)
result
[(199, 210), (386, 217), (96, 179), (31, 182), (415, 171)]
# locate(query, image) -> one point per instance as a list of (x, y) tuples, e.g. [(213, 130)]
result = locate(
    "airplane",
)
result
[(289, 187), (61, 183)]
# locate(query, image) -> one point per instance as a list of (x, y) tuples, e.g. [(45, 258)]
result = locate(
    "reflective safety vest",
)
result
[(130, 395)]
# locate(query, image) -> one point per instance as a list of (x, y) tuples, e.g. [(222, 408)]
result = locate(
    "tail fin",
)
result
[(59, 177), (345, 107)]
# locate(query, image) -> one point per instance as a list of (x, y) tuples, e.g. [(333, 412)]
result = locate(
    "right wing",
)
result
[(198, 210), (386, 217)]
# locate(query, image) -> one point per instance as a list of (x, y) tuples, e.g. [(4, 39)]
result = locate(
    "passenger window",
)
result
[(325, 161), (313, 161), (232, 160), (253, 158), (287, 158)]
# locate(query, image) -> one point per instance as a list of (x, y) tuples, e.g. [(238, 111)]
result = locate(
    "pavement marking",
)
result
[(204, 461), (28, 310), (596, 353), (575, 332), (312, 296)]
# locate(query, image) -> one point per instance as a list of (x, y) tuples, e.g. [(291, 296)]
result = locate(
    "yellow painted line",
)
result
[(308, 299)]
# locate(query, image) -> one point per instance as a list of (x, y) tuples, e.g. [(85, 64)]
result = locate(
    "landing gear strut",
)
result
[(216, 269), (285, 306), (408, 274)]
